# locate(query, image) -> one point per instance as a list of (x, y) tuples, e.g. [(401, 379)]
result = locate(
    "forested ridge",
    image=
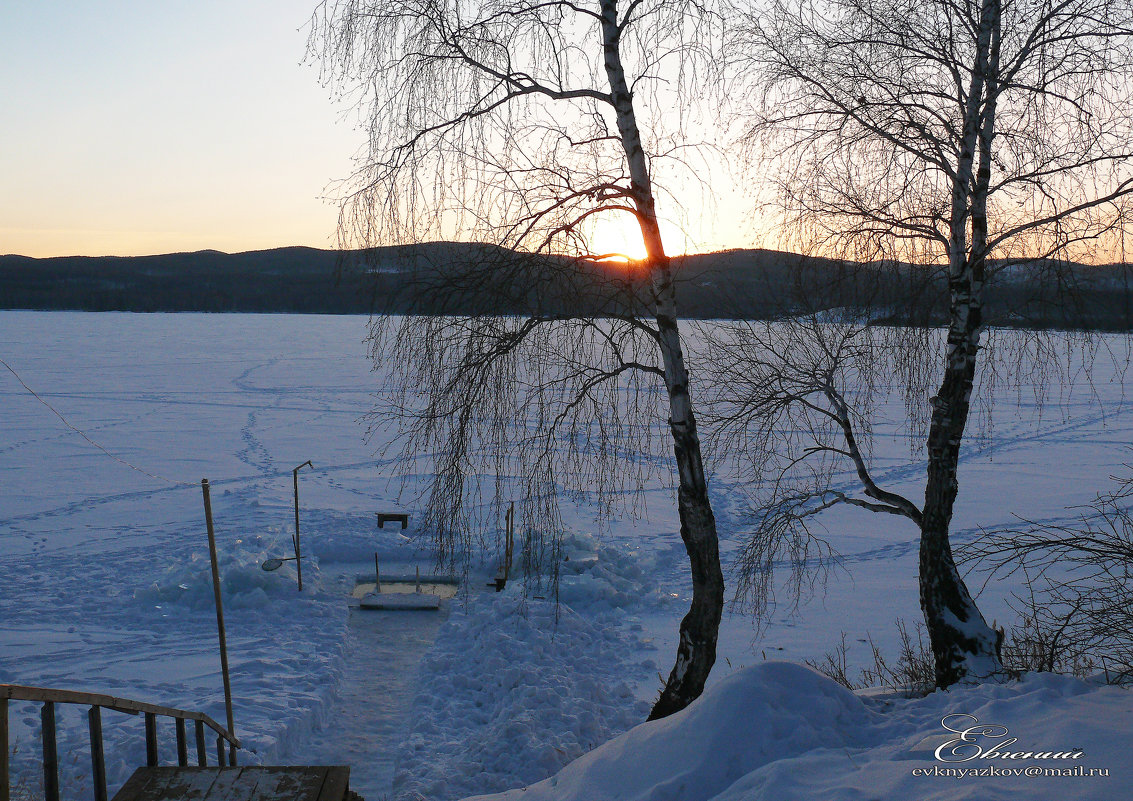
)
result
[(734, 284)]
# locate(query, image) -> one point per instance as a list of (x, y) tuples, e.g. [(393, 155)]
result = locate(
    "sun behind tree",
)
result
[(520, 124)]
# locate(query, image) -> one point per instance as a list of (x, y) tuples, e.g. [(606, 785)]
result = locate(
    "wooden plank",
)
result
[(134, 785), (97, 759), (182, 783), (287, 784), (411, 578), (196, 784), (230, 784), (336, 783), (182, 744), (400, 601), (163, 782), (50, 753), (156, 784), (300, 783)]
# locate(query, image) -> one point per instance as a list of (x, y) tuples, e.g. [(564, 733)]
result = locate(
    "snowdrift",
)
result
[(781, 731)]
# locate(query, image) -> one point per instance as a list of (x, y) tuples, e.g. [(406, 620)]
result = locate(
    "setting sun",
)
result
[(616, 236)]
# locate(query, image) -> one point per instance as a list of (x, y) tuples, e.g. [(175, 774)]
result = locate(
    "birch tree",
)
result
[(966, 138), (519, 123)]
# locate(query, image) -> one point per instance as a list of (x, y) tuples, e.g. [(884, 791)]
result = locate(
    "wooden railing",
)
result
[(96, 702)]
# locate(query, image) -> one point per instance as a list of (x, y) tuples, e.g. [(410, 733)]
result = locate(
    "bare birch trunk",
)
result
[(963, 644), (696, 651)]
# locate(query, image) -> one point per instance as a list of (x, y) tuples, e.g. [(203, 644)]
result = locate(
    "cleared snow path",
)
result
[(367, 720)]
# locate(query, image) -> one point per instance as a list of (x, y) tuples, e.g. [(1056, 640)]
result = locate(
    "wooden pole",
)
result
[(377, 574), (298, 560), (202, 751), (50, 753), (151, 740), (510, 537), (182, 743), (219, 607), (4, 778), (97, 759)]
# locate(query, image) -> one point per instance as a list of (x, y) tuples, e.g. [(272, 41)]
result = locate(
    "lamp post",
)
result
[(295, 539)]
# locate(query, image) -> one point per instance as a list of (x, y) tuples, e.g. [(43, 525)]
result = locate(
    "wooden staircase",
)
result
[(223, 782)]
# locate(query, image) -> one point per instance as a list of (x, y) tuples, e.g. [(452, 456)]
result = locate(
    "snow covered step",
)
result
[(403, 601), (409, 578)]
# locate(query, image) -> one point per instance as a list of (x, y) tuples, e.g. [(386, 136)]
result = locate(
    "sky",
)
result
[(134, 127), (145, 127)]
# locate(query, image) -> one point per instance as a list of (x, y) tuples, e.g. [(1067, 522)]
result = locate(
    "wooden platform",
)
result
[(400, 601), (237, 784)]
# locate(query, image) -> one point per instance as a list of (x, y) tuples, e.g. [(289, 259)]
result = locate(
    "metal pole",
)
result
[(219, 607), (298, 555)]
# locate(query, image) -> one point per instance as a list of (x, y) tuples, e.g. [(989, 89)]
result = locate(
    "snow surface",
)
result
[(104, 581), (781, 731)]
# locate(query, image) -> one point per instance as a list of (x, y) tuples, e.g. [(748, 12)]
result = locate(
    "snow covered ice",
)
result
[(104, 586)]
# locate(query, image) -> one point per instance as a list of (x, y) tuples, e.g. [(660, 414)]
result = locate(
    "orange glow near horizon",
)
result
[(616, 238)]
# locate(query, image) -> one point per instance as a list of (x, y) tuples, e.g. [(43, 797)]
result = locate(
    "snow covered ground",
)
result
[(781, 731), (104, 585)]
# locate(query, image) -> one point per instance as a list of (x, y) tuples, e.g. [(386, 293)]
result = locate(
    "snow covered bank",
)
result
[(780, 731)]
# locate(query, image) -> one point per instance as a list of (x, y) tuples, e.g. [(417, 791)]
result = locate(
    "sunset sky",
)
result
[(142, 127), (136, 127)]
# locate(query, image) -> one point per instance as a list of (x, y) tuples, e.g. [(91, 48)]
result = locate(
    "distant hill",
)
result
[(459, 278)]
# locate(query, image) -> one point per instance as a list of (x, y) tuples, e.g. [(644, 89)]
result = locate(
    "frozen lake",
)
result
[(104, 580)]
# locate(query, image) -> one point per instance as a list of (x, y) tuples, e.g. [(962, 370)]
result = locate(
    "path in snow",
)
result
[(367, 719)]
